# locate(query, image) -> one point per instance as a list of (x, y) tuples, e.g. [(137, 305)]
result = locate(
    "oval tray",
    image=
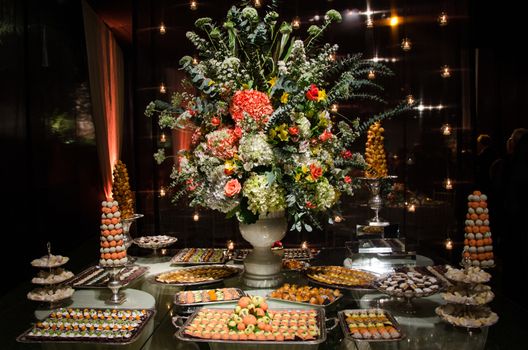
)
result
[(237, 271), (368, 287)]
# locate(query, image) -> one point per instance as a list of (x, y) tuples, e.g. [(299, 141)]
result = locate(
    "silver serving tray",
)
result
[(321, 322), (190, 308), (25, 338), (224, 259), (376, 285), (245, 252), (344, 326), (182, 284), (125, 282), (369, 287), (324, 306)]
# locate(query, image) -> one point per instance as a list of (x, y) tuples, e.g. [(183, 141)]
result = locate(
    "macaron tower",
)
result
[(478, 248), (113, 251)]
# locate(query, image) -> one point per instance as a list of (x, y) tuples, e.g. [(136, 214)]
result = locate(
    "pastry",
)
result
[(306, 294), (50, 261), (50, 294), (340, 276), (121, 190), (52, 277), (113, 250), (478, 244), (371, 324), (196, 274), (409, 284), (206, 296), (375, 152)]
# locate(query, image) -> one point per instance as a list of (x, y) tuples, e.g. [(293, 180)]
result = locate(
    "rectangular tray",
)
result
[(321, 322), (103, 282), (190, 308), (325, 306), (344, 326), (241, 254), (182, 284), (221, 261), (342, 287), (25, 338)]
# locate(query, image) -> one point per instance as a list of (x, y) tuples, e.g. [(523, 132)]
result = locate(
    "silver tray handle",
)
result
[(336, 322), (181, 320)]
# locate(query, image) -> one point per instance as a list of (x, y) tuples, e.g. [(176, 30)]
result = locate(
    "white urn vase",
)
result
[(262, 267)]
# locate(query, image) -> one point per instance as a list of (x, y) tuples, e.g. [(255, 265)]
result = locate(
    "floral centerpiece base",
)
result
[(262, 265)]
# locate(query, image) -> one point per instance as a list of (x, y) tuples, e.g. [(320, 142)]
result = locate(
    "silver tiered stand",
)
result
[(376, 202)]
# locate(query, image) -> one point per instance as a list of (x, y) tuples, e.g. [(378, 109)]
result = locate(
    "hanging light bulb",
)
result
[(162, 29), (196, 216), (163, 137), (195, 60), (304, 245), (443, 19), (162, 192), (334, 108), (446, 129), (449, 244), (296, 23), (371, 74), (406, 44), (162, 88), (446, 72), (193, 5), (369, 22), (448, 184), (410, 99), (257, 3), (394, 21), (338, 218)]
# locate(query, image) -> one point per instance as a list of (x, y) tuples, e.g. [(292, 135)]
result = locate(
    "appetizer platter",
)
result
[(196, 256), (252, 322), (102, 326), (289, 253), (340, 277), (462, 316), (196, 275), (408, 285), (297, 265), (186, 302), (306, 295), (155, 242), (373, 325), (98, 277)]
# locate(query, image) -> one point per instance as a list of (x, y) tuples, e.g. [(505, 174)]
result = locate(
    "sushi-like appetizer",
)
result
[(209, 295)]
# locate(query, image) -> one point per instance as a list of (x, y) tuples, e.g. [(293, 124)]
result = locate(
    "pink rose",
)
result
[(232, 188)]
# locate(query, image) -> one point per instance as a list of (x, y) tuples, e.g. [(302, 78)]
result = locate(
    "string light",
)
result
[(162, 88), (371, 74), (162, 29), (196, 216), (304, 245), (443, 19), (257, 3), (369, 22), (334, 108), (296, 23), (446, 129), (162, 192), (448, 184), (195, 60), (406, 44), (193, 5), (449, 244), (394, 21), (163, 137), (410, 99), (446, 72)]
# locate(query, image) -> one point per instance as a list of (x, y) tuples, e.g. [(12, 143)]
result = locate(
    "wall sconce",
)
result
[(296, 23), (406, 44), (193, 5), (446, 72), (448, 184), (162, 88), (196, 216), (443, 19), (446, 129), (162, 29), (371, 74)]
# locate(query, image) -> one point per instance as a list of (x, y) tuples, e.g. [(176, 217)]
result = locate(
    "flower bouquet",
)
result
[(264, 139)]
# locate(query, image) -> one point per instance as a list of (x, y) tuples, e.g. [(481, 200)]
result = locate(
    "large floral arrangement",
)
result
[(263, 138)]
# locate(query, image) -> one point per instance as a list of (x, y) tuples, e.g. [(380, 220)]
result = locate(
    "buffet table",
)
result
[(422, 328)]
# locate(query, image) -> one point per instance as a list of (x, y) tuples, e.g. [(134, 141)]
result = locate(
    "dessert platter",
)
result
[(374, 325), (57, 275), (289, 253), (50, 261), (155, 242), (252, 322), (463, 316), (306, 295), (196, 275), (186, 302), (408, 284), (340, 277), (102, 326), (51, 294), (437, 271), (98, 277), (468, 275), (479, 294), (197, 256), (292, 264)]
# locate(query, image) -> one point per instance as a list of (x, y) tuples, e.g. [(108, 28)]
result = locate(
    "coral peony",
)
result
[(255, 103)]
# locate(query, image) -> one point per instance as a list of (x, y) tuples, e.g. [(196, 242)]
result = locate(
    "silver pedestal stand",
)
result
[(376, 202), (127, 223), (114, 285)]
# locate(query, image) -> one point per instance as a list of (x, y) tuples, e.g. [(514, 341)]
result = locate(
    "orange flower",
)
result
[(232, 188), (313, 93), (315, 171), (325, 136), (254, 103)]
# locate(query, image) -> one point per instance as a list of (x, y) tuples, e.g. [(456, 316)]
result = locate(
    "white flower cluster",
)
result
[(326, 195), (215, 193), (263, 197), (254, 151)]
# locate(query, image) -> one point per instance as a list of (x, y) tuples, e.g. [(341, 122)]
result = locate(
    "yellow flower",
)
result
[(297, 177), (305, 169), (272, 81), (211, 82), (321, 96), (284, 98), (229, 167), (245, 86)]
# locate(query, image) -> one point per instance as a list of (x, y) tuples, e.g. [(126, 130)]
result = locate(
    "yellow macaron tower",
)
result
[(375, 152), (113, 250)]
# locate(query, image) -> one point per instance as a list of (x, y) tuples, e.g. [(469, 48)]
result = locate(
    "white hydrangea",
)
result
[(254, 151), (325, 194), (263, 197), (215, 193), (282, 68)]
